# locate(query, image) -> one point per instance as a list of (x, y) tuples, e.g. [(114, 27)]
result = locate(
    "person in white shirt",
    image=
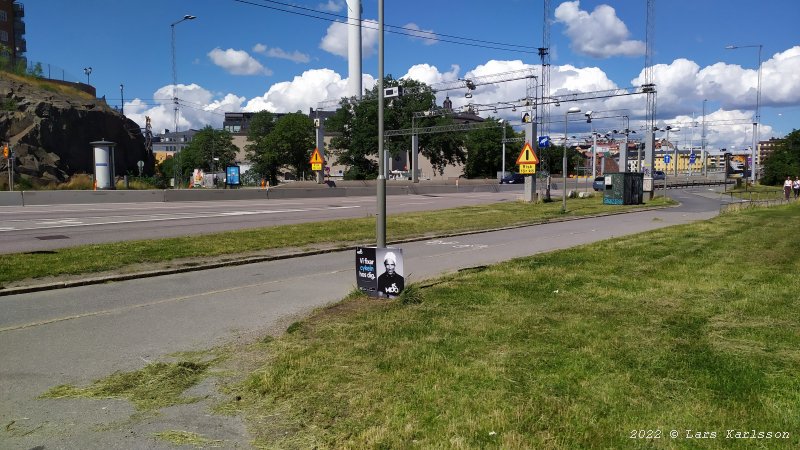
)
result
[(796, 187), (787, 187)]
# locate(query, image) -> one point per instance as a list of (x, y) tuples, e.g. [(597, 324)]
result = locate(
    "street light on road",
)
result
[(757, 116), (572, 110), (502, 123), (122, 99), (87, 71), (178, 170)]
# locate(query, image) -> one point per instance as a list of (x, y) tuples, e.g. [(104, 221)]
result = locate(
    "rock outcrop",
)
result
[(49, 127)]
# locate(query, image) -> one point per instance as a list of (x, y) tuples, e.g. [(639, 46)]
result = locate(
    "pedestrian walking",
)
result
[(787, 187), (796, 187)]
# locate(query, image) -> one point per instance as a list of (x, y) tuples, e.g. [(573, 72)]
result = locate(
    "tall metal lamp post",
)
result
[(122, 99), (572, 110), (588, 115), (87, 71), (178, 171), (502, 122), (757, 116)]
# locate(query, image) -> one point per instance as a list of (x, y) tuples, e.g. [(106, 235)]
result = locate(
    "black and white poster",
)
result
[(379, 271)]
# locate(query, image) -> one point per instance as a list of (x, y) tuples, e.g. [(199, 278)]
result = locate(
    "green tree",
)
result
[(484, 151), (266, 160), (784, 161), (292, 139), (206, 145), (356, 144)]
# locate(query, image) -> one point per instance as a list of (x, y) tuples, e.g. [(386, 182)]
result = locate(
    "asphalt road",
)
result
[(80, 334), (38, 228)]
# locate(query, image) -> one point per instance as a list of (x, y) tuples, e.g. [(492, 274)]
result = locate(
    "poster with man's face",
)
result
[(389, 262), (379, 271)]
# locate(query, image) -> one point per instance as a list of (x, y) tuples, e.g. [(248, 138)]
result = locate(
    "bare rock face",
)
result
[(50, 127)]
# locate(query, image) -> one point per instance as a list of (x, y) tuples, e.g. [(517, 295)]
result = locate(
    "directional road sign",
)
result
[(666, 159), (544, 141), (691, 158)]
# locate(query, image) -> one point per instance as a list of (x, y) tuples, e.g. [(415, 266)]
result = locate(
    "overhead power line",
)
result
[(420, 34)]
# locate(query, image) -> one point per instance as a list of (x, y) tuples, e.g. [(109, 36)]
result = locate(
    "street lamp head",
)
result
[(730, 47), (573, 110), (189, 17), (588, 113)]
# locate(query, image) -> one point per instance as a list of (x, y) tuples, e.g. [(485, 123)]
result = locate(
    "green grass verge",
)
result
[(692, 327), (104, 257)]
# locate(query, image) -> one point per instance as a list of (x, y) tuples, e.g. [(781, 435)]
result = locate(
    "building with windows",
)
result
[(12, 32), (766, 148), (167, 144)]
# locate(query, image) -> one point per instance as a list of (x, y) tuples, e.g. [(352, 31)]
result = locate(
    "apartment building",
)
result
[(12, 31)]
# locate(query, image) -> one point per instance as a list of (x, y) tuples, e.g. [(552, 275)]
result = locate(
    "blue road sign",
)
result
[(666, 159), (544, 141), (691, 158)]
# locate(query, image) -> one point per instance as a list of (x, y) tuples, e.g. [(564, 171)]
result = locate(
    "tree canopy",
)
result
[(356, 125), (276, 142), (784, 160), (206, 145)]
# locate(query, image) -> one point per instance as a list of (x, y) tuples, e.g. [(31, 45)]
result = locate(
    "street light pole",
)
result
[(503, 167), (178, 170), (572, 110), (122, 99), (757, 116), (87, 71), (594, 143), (703, 164), (381, 213)]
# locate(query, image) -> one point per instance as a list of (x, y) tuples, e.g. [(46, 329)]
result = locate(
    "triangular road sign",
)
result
[(527, 156), (316, 158)]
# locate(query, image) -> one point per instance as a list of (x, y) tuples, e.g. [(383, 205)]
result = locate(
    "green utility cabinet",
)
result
[(623, 188)]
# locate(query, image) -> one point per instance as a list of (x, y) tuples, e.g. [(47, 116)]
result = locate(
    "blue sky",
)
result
[(242, 55)]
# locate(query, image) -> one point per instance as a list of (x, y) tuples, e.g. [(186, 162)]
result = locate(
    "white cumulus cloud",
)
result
[(304, 91), (276, 52), (331, 6), (237, 62), (600, 34), (428, 37), (335, 40)]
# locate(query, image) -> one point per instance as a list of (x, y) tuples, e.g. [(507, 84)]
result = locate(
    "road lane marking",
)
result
[(73, 223), (106, 312)]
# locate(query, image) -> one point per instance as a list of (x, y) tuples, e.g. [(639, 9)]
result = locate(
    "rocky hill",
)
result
[(50, 126)]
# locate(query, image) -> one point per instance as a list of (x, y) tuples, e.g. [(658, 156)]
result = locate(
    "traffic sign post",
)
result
[(527, 161), (316, 160)]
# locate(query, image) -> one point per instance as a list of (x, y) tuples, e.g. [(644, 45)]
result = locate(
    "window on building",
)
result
[(4, 35), (3, 16)]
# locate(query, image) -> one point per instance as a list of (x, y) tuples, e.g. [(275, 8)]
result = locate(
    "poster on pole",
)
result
[(379, 271)]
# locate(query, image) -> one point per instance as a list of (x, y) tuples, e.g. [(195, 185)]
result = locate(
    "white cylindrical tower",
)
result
[(354, 48)]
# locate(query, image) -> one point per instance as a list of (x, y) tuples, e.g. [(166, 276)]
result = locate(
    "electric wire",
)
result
[(395, 29)]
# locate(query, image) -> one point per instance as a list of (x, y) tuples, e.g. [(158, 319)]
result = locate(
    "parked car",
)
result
[(513, 178), (659, 175), (599, 183)]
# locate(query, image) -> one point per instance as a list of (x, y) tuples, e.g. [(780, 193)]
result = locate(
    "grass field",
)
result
[(340, 234), (647, 341), (693, 328)]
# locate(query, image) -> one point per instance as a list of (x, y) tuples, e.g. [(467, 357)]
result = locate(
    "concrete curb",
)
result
[(258, 259)]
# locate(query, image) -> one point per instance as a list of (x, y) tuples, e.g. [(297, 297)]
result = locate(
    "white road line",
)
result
[(68, 224)]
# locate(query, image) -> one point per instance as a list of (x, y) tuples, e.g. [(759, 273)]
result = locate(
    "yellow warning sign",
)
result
[(527, 169), (527, 156), (316, 158)]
